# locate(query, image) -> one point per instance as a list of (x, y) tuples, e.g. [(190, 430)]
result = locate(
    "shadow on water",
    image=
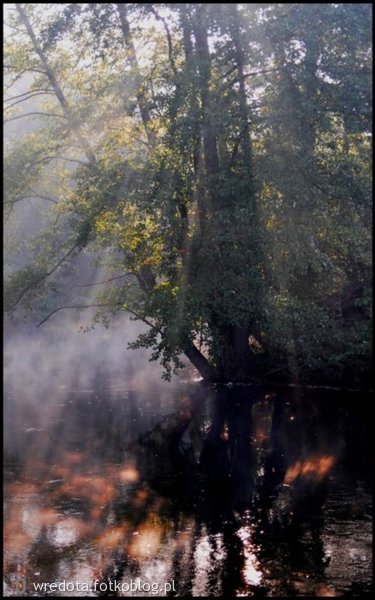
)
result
[(233, 491)]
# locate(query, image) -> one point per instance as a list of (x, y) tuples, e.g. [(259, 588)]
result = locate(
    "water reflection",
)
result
[(229, 492)]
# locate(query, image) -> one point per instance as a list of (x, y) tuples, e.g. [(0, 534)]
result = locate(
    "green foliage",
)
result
[(225, 190)]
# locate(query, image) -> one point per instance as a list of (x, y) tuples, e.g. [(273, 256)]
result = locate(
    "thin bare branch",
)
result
[(169, 39), (35, 91), (19, 75), (144, 319), (43, 277), (25, 99), (253, 74), (14, 28), (76, 306), (31, 114), (106, 280), (100, 305), (56, 157), (20, 198)]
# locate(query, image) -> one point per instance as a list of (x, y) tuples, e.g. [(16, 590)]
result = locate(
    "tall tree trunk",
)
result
[(211, 157), (244, 112), (147, 278), (140, 93), (311, 98), (146, 275), (197, 117), (233, 356), (188, 50)]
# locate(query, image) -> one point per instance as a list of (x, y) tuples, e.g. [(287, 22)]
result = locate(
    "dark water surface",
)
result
[(230, 492)]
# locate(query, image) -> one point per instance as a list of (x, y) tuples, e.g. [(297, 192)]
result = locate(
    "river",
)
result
[(226, 491)]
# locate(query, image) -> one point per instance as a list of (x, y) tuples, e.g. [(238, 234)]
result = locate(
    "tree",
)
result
[(318, 225), (212, 187)]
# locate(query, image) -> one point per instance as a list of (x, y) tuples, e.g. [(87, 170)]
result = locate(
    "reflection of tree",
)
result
[(286, 520), (247, 518), (294, 489), (44, 560), (227, 457), (234, 560)]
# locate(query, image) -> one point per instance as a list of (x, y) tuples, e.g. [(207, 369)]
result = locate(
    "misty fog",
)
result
[(47, 367)]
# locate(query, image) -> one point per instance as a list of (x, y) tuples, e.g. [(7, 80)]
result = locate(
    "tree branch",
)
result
[(34, 113), (53, 157), (200, 362), (43, 277), (29, 197), (106, 280), (244, 76), (29, 70), (144, 319), (29, 93), (169, 39), (77, 306), (100, 305), (28, 97), (133, 60), (14, 28)]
